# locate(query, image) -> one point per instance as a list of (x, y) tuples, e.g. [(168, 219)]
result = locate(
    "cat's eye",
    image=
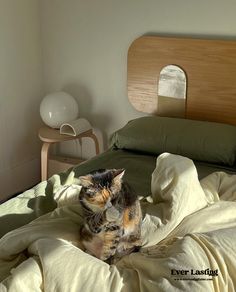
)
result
[(90, 192)]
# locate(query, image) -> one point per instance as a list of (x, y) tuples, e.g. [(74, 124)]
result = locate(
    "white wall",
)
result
[(20, 92), (85, 45)]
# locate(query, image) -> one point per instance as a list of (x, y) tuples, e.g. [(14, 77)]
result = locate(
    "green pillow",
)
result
[(198, 140)]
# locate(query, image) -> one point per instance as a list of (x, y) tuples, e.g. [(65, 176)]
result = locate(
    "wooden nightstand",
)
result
[(50, 136)]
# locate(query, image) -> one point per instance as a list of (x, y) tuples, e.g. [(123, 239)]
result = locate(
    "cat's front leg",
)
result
[(111, 240), (92, 243)]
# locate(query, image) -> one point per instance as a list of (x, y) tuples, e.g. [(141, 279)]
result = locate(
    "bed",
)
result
[(183, 169)]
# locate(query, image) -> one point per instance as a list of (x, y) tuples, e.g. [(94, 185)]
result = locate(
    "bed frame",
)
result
[(210, 68)]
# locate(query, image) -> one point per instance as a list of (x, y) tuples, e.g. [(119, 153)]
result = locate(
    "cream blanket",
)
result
[(189, 241)]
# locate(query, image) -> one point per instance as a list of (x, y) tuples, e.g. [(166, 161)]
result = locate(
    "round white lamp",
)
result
[(58, 108)]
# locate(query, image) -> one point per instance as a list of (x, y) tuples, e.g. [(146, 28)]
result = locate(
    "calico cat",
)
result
[(112, 215)]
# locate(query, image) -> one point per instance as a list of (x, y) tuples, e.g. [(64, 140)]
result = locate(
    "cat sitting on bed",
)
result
[(112, 215)]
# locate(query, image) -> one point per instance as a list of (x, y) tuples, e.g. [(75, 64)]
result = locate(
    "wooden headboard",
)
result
[(210, 68)]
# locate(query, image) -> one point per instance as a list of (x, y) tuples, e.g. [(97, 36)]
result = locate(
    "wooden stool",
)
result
[(50, 136)]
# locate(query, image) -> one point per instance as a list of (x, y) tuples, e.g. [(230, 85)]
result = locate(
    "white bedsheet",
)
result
[(188, 231)]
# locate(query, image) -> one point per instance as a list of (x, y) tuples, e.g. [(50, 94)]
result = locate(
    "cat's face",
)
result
[(100, 187)]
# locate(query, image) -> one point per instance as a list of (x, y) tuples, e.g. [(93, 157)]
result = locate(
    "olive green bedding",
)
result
[(197, 140)]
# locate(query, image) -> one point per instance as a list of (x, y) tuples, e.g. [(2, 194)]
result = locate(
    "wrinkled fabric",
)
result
[(188, 233)]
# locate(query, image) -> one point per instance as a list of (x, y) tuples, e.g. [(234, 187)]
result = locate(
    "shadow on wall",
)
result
[(86, 109), (101, 121), (191, 35), (83, 97)]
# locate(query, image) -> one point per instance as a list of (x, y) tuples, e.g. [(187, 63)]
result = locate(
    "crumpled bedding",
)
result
[(188, 232)]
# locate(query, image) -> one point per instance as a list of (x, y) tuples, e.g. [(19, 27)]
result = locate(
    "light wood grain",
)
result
[(210, 67), (50, 136)]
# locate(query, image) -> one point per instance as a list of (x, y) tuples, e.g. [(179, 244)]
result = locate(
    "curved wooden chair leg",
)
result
[(44, 160), (95, 139)]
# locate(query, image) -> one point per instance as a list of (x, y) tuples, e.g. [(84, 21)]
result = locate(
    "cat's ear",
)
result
[(85, 181), (118, 174), (117, 179)]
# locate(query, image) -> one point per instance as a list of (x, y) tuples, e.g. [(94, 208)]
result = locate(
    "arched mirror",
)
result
[(172, 92)]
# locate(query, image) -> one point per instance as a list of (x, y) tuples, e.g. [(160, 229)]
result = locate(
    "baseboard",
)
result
[(19, 179)]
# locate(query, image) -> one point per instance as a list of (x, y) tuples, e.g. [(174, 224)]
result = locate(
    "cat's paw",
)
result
[(112, 214)]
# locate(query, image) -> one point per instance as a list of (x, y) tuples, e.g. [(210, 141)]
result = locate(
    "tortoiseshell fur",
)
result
[(112, 215)]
